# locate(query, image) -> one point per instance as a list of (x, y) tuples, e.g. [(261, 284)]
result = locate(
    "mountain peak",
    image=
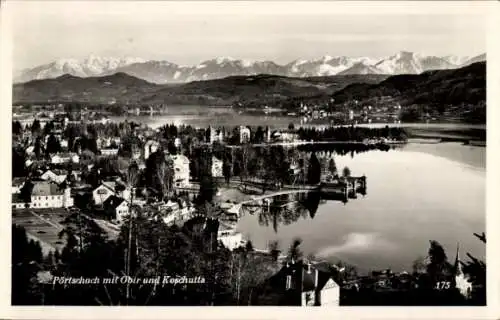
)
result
[(402, 62), (220, 60), (404, 55)]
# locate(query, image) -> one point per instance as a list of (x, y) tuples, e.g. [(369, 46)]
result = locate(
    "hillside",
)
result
[(125, 89), (456, 86), (119, 87)]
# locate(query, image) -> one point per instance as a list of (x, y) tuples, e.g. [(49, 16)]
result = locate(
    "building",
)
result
[(109, 151), (150, 147), (217, 168), (49, 195), (286, 136), (181, 171), (269, 134), (173, 213), (116, 207), (57, 176), (303, 284), (103, 192), (229, 237), (216, 135), (61, 158), (461, 282), (177, 143), (244, 134)]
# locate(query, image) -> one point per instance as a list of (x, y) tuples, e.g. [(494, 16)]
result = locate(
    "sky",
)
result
[(189, 33)]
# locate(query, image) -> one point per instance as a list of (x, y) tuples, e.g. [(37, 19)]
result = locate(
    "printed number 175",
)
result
[(443, 285)]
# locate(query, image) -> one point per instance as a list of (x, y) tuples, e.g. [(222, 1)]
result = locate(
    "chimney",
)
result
[(308, 267)]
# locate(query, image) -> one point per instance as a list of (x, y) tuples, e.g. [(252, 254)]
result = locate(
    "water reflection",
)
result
[(414, 196), (286, 209)]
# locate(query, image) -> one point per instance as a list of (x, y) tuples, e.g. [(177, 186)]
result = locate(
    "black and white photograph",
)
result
[(247, 154)]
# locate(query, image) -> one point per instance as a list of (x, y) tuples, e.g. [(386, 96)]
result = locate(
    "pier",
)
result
[(345, 188)]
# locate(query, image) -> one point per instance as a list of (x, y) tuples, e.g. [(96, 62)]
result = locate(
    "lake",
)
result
[(415, 194), (223, 116)]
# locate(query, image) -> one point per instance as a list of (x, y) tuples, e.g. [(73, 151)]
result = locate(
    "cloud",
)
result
[(357, 243)]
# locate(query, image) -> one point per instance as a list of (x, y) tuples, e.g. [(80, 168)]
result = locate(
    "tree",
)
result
[(18, 162), (208, 189), (294, 252), (314, 170), (475, 269), (53, 145), (248, 271), (438, 269), (26, 262), (17, 128), (332, 166), (227, 169), (259, 135), (245, 158), (346, 172), (165, 173), (291, 126), (35, 127), (48, 128), (38, 149), (418, 266)]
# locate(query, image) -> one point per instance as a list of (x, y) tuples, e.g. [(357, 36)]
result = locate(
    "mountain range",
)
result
[(162, 72), (452, 86)]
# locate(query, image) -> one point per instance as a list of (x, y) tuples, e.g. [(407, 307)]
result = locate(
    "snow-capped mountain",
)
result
[(403, 62), (325, 66), (478, 58), (360, 68), (88, 67), (456, 60)]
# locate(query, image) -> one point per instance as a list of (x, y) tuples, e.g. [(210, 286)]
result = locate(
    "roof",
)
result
[(113, 202), (63, 155), (309, 275), (43, 188), (180, 158), (225, 227), (111, 185), (58, 172)]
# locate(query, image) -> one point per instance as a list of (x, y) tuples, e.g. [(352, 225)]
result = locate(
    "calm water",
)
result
[(414, 195), (420, 193), (204, 116)]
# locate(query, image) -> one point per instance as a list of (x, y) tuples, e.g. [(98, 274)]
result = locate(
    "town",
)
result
[(81, 175)]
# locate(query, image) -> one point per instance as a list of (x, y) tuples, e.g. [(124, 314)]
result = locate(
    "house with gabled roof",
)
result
[(301, 283), (46, 194), (103, 192), (116, 207), (55, 175)]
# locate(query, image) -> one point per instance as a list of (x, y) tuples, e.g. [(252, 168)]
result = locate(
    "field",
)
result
[(42, 225)]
